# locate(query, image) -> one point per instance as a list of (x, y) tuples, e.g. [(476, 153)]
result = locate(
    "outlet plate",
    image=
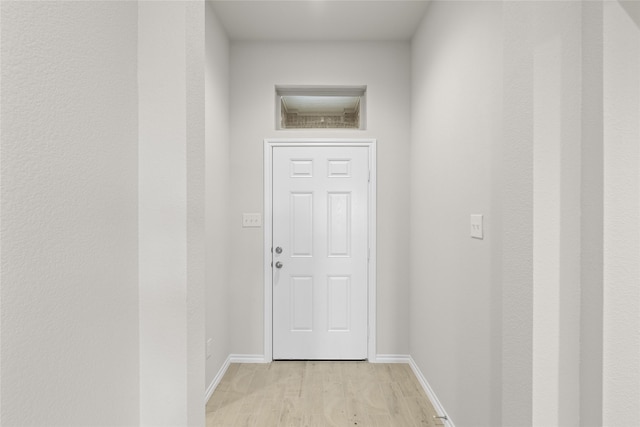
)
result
[(251, 220), (477, 229)]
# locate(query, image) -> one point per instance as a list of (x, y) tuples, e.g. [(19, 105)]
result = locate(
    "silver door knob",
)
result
[(278, 250), (278, 264)]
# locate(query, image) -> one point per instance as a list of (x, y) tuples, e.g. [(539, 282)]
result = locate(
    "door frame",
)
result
[(269, 145)]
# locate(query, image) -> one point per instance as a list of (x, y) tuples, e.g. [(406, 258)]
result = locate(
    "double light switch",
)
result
[(477, 230)]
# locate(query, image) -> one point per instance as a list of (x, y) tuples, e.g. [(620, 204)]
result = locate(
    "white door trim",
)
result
[(269, 144)]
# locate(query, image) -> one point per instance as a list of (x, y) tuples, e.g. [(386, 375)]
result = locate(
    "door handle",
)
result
[(278, 264), (278, 250)]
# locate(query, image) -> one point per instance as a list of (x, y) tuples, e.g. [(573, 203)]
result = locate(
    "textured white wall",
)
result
[(255, 69), (592, 218), (541, 271), (512, 74), (541, 284), (621, 317), (69, 296), (517, 278), (194, 16), (217, 198), (171, 212), (557, 66), (455, 165)]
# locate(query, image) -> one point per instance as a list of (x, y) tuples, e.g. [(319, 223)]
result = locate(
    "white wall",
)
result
[(577, 81), (255, 70), (497, 117), (455, 295), (557, 66), (569, 297), (217, 196), (69, 296), (621, 305), (171, 212), (517, 258), (591, 292), (194, 28)]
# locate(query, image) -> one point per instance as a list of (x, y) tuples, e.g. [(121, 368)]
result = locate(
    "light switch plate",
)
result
[(477, 230), (251, 220)]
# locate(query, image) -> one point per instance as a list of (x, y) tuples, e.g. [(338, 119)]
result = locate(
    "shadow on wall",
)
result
[(633, 9)]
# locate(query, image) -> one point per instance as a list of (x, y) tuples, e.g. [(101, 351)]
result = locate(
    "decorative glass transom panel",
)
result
[(320, 107)]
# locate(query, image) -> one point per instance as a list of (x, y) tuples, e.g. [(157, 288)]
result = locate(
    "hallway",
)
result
[(320, 394), (132, 140)]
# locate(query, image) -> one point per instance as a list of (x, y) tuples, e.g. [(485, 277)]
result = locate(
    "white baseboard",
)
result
[(247, 358), (216, 379), (432, 396), (232, 358), (392, 358)]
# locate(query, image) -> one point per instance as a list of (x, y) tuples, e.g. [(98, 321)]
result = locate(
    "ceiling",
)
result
[(320, 20)]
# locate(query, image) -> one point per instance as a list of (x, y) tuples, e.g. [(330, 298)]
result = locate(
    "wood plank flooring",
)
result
[(314, 393)]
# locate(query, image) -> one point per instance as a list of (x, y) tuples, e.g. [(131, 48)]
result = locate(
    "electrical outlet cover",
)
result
[(251, 220)]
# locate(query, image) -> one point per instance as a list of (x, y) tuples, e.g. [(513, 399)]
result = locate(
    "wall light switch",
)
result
[(251, 220), (477, 230)]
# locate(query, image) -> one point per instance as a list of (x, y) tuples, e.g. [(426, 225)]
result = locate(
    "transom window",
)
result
[(320, 107)]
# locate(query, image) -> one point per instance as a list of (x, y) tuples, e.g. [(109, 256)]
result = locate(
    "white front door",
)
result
[(320, 252)]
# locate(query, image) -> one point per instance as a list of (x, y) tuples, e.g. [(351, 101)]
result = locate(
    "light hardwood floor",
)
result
[(297, 394)]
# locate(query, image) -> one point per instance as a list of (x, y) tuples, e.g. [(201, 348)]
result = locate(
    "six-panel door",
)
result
[(320, 223)]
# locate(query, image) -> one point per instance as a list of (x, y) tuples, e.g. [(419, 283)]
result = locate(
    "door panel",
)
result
[(301, 224), (320, 221), (339, 224), (302, 303), (339, 303)]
